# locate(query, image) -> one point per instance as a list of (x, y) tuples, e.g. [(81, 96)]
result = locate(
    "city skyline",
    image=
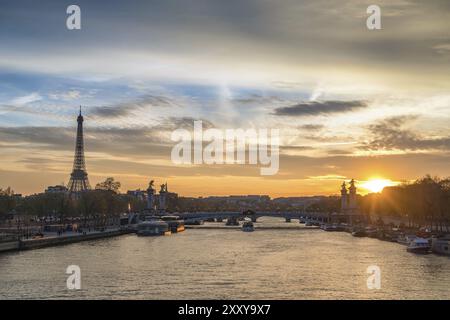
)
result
[(225, 158), (376, 108)]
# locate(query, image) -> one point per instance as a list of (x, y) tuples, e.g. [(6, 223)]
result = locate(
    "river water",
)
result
[(227, 264)]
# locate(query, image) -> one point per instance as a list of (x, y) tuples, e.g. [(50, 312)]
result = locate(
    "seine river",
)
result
[(227, 264)]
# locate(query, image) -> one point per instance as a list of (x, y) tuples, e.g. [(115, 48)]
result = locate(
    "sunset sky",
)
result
[(349, 102)]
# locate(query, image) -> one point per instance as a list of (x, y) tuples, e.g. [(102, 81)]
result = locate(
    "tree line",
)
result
[(424, 202), (103, 202)]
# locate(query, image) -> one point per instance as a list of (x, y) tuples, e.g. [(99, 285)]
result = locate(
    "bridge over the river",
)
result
[(314, 217)]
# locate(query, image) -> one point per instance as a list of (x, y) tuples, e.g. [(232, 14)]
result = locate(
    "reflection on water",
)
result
[(227, 264)]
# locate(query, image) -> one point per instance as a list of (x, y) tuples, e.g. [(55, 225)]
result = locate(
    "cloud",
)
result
[(49, 136), (330, 139), (443, 48), (284, 38), (339, 152), (112, 112), (127, 108), (173, 123), (312, 127), (32, 97), (258, 99), (328, 177), (315, 108), (390, 134), (296, 148), (66, 95)]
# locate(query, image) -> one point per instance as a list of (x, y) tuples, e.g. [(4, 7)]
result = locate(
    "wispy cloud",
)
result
[(390, 134), (312, 127), (23, 100), (443, 48), (65, 95), (315, 108), (127, 108)]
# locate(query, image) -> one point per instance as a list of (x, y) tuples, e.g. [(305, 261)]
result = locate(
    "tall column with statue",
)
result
[(352, 203), (163, 198), (344, 198), (151, 197)]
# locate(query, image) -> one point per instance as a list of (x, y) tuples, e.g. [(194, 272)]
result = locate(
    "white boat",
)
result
[(153, 228), (332, 227), (441, 245), (248, 226), (419, 245)]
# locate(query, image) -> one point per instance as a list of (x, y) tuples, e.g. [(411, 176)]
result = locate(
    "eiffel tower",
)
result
[(79, 178)]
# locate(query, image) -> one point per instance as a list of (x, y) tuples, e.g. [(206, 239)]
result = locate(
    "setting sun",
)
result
[(377, 185)]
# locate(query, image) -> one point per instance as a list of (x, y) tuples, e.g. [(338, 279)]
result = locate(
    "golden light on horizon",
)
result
[(377, 185)]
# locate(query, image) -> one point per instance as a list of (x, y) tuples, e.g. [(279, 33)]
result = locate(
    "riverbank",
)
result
[(50, 240)]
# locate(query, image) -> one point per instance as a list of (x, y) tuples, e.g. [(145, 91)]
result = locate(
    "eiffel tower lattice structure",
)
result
[(79, 178)]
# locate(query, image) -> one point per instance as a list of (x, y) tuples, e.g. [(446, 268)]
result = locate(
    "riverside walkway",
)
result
[(53, 239)]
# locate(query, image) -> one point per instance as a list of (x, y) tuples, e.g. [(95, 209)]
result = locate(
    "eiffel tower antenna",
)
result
[(79, 178)]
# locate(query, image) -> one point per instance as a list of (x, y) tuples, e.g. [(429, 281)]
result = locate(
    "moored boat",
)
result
[(333, 227), (154, 227), (388, 235), (424, 233), (441, 245), (359, 232), (419, 245), (193, 222), (406, 238), (175, 224), (372, 232)]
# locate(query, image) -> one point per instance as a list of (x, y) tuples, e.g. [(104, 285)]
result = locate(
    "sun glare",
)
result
[(377, 185)]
